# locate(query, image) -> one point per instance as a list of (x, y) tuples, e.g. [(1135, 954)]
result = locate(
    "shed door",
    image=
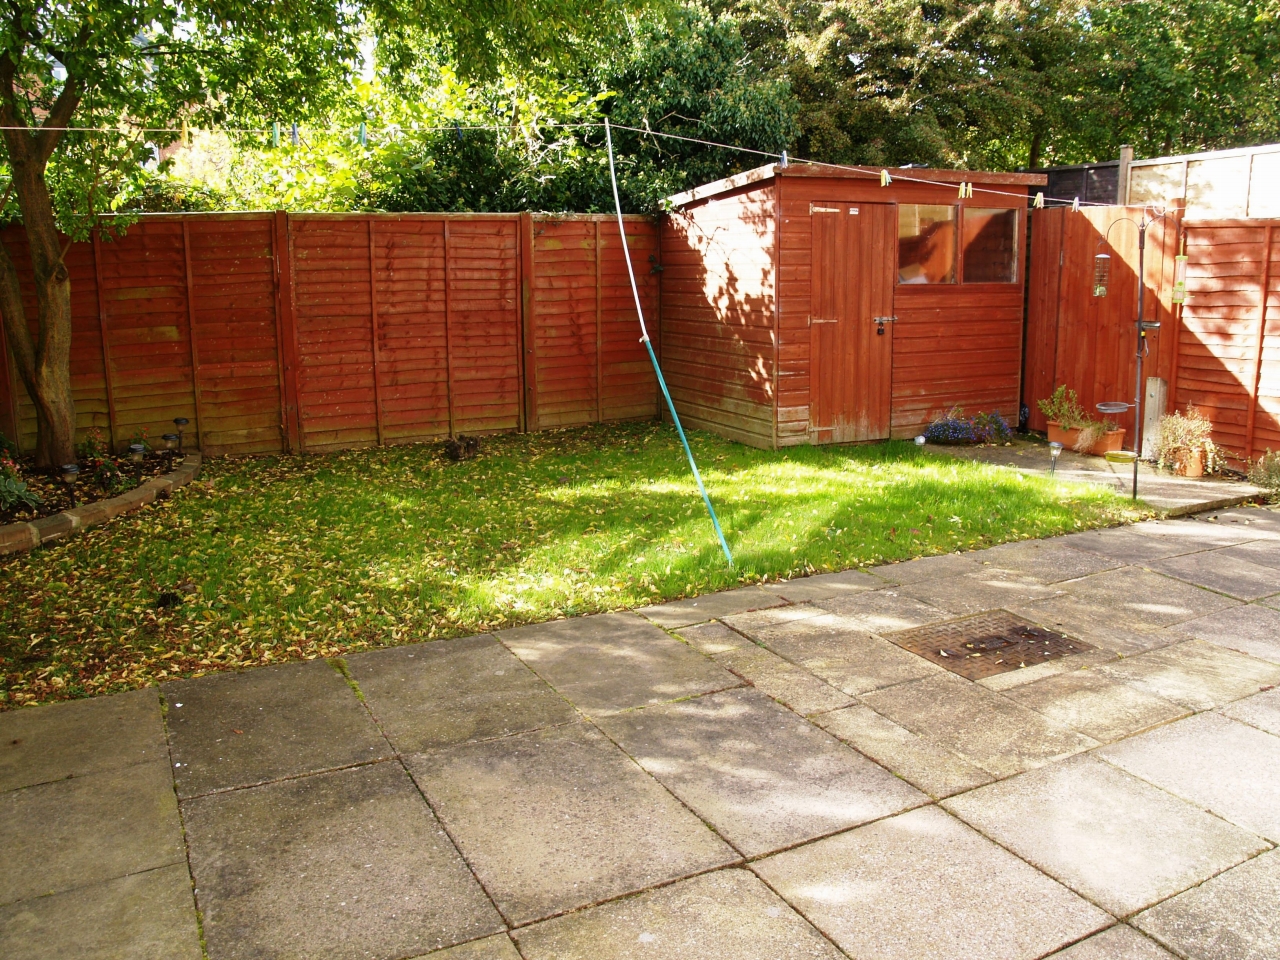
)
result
[(850, 361)]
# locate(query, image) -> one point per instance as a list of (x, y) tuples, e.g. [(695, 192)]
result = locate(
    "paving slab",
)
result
[(1120, 942), (973, 593), (1264, 553), (67, 834), (884, 611), (985, 728), (1125, 610), (843, 653), (923, 886), (1198, 675), (928, 568), (1252, 629), (1220, 765), (1259, 521), (1109, 836), (716, 917), (1223, 573), (1050, 668), (1127, 545), (917, 760), (615, 661), (235, 729), (345, 864), (497, 947), (726, 915), (561, 818), (1097, 704), (1196, 533), (714, 638), (681, 613), (750, 623), (452, 691), (785, 682), (146, 915), (1231, 917), (1047, 561), (77, 737), (761, 776), (1262, 710), (824, 586)]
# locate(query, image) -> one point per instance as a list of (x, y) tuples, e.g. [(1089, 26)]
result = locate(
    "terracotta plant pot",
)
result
[(1067, 438), (1111, 440), (1190, 464)]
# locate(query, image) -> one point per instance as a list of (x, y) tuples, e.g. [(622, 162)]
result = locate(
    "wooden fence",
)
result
[(281, 332), (1219, 352)]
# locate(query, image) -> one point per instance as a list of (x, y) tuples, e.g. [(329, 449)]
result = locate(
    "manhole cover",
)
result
[(987, 644)]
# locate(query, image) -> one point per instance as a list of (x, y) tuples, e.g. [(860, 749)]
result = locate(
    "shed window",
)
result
[(926, 243), (990, 245)]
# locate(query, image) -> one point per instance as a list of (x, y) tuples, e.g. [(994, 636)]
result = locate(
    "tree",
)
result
[(138, 65)]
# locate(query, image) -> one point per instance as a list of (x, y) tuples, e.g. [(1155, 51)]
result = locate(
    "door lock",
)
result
[(880, 322)]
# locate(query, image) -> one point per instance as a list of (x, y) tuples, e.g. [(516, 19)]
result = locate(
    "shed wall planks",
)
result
[(718, 300), (316, 332)]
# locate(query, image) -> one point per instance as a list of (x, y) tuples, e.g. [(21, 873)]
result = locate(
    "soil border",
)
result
[(26, 535)]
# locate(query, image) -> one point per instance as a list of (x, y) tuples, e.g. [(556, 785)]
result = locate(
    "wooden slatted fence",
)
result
[(311, 332), (1219, 352)]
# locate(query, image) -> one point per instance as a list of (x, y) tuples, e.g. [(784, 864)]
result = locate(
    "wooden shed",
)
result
[(811, 304)]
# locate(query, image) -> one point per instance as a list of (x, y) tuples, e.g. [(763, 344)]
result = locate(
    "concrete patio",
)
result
[(752, 774)]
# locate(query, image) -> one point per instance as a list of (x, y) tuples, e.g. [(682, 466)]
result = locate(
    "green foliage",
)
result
[(14, 493), (1063, 407), (1265, 473), (1179, 435), (310, 556), (8, 448)]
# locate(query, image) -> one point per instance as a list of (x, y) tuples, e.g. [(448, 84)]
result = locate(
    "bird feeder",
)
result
[(1101, 274), (1179, 279)]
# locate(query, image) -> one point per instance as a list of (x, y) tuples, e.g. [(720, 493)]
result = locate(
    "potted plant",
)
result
[(1070, 426), (1183, 442)]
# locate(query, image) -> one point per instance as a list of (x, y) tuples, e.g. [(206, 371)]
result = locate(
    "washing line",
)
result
[(644, 338)]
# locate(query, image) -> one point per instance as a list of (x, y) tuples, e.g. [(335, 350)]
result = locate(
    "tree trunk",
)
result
[(1033, 155), (45, 365)]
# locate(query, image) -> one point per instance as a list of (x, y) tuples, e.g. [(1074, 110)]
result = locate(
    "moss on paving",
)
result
[(281, 558)]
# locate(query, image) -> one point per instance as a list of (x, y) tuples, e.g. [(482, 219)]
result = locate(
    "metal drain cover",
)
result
[(986, 645)]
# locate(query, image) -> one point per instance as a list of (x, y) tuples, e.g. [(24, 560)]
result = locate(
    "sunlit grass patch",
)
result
[(282, 558)]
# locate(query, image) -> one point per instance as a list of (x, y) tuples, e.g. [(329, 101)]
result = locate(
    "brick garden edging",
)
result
[(16, 537)]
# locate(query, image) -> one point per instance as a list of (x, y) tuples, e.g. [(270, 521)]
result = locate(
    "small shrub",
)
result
[(1265, 473), (956, 428), (1179, 435), (101, 467), (1091, 432), (1063, 407), (13, 492)]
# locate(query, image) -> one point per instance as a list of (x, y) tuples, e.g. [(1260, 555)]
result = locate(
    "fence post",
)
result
[(1256, 380), (191, 334), (8, 398), (106, 348), (373, 327), (286, 334), (528, 324), (448, 336)]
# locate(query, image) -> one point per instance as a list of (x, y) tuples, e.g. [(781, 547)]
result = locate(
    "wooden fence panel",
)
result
[(628, 388), (334, 318), (413, 368), (142, 280), (234, 348), (1040, 353), (566, 320)]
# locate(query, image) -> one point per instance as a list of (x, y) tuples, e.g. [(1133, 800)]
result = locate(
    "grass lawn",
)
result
[(280, 558)]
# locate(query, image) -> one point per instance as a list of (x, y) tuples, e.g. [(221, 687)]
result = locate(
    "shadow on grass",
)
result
[(288, 557)]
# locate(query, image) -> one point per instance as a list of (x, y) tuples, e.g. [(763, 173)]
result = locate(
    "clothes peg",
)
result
[(293, 134), (363, 135), (1038, 203), (1075, 205), (885, 179), (275, 134), (186, 134)]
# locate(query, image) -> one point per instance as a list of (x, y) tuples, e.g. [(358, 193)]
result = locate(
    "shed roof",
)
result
[(806, 169)]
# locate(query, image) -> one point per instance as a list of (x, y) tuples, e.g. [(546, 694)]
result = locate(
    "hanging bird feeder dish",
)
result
[(1101, 274), (1126, 457), (1113, 407)]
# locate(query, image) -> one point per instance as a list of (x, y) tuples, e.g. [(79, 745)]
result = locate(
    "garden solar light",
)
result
[(920, 440), (69, 473), (170, 444), (136, 450), (180, 422), (1055, 451)]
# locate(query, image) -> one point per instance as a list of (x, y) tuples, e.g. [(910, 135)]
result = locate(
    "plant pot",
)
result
[(1111, 440), (1190, 464), (1067, 438)]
